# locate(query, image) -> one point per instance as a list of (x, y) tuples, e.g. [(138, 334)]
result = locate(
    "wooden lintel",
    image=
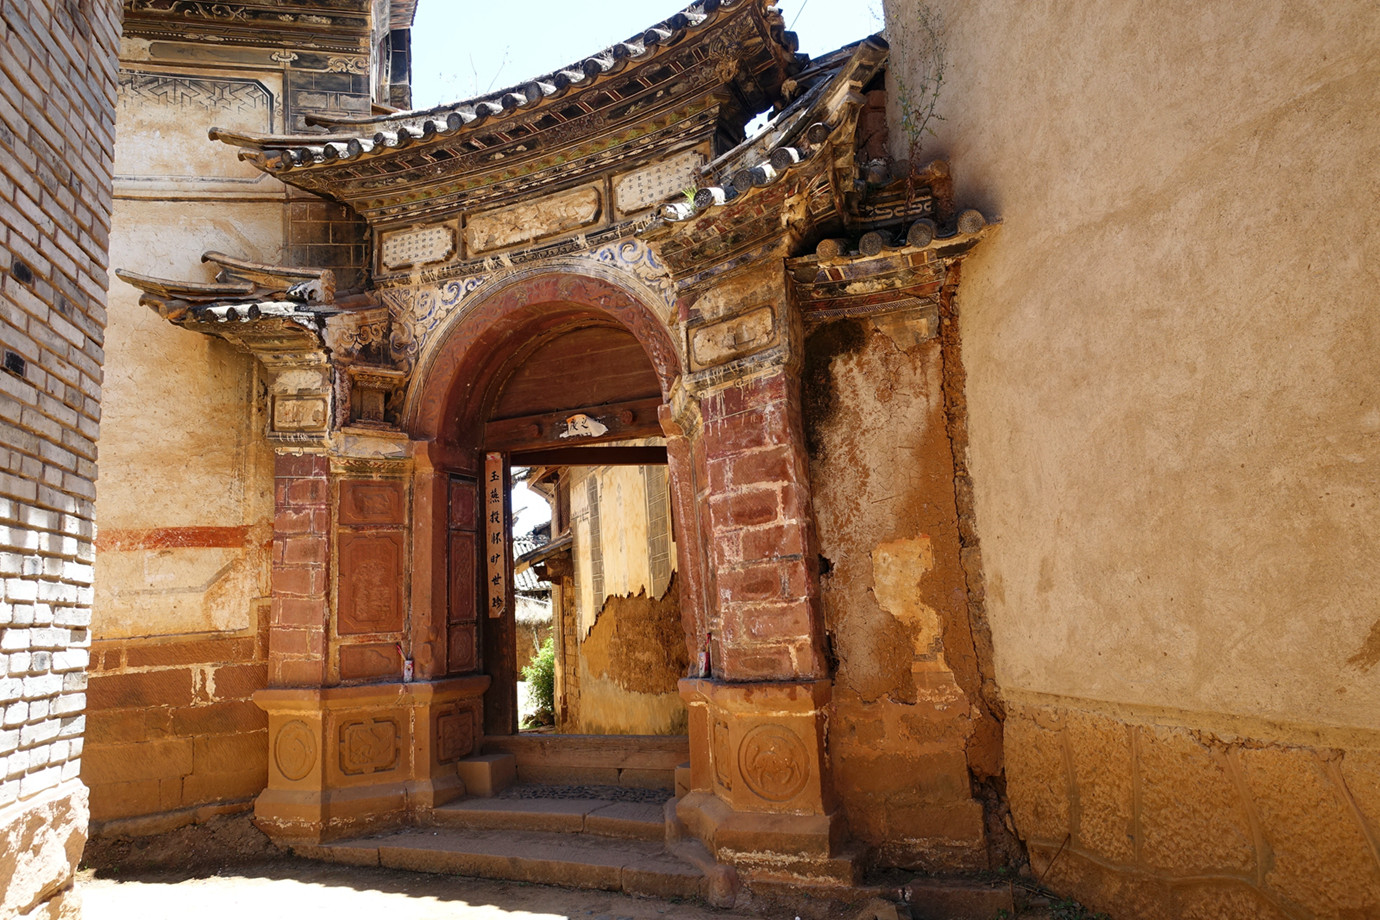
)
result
[(571, 427), (590, 456)]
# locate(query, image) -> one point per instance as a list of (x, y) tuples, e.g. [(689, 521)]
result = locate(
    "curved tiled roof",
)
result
[(352, 138)]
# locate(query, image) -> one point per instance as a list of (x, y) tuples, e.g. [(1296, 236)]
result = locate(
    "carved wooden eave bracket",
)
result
[(898, 287), (765, 198), (325, 26), (302, 333)]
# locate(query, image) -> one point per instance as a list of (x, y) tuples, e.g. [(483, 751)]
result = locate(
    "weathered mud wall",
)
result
[(1170, 351), (905, 733), (629, 664), (186, 502), (628, 649)]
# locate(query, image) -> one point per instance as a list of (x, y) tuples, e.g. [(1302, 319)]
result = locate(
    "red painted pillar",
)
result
[(758, 521)]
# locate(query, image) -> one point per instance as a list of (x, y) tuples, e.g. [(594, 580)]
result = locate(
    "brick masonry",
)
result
[(57, 114)]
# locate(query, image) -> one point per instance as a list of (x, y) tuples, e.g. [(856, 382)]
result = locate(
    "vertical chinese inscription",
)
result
[(495, 536)]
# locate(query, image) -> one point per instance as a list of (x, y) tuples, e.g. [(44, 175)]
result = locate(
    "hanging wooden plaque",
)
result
[(495, 535)]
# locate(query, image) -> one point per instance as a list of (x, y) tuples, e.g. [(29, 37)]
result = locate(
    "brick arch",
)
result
[(489, 329), (454, 390)]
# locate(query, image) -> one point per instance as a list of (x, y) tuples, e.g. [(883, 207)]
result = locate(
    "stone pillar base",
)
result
[(348, 760), (760, 796)]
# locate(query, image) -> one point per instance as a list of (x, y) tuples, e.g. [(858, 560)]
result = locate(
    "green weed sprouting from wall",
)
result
[(917, 91)]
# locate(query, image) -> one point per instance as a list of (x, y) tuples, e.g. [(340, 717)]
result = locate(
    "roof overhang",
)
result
[(700, 75)]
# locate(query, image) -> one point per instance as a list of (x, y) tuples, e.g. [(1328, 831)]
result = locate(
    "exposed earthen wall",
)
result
[(903, 733), (628, 649), (57, 89), (187, 499), (1170, 353)]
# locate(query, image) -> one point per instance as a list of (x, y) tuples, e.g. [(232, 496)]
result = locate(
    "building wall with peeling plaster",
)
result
[(186, 500), (1169, 348)]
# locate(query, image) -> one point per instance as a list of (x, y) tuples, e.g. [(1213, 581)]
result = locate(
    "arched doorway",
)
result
[(566, 373)]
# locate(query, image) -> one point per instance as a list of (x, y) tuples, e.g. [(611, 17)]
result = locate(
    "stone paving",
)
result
[(592, 792)]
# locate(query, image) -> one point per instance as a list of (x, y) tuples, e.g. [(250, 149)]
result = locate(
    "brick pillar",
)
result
[(301, 555), (756, 515)]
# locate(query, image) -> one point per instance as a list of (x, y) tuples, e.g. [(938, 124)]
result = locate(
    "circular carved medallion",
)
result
[(773, 762), (294, 750)]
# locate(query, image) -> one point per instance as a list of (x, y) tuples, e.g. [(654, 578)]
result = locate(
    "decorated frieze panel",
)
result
[(462, 655), (774, 763), (300, 414), (420, 310), (716, 343), (456, 732), (295, 750), (370, 661), (370, 583), (721, 753), (368, 746), (463, 552), (417, 246), (642, 188), (564, 212)]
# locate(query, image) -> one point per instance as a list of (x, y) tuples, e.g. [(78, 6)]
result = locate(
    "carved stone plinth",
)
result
[(345, 760), (760, 794)]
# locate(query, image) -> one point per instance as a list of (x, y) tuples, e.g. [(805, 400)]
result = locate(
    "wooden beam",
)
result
[(590, 456), (570, 427)]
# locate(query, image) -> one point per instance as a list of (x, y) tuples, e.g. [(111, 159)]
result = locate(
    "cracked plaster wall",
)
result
[(1170, 351), (904, 731)]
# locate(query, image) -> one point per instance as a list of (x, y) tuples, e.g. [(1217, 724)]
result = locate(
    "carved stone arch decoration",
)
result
[(463, 350)]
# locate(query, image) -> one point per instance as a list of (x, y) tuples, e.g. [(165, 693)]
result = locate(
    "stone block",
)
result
[(218, 718), (945, 899), (147, 760), (201, 651), (1103, 775), (1037, 779), (41, 842), (1322, 859), (238, 681), (1207, 831), (172, 687), (110, 801)]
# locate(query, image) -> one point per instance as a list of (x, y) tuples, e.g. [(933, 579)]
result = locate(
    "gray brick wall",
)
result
[(57, 107)]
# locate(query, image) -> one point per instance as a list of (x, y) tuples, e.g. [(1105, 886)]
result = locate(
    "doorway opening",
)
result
[(604, 566)]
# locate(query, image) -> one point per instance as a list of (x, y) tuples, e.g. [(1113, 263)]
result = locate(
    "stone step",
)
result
[(540, 857), (629, 820), (646, 761)]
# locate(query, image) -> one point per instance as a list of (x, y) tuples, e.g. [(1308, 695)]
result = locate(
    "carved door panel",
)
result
[(462, 621)]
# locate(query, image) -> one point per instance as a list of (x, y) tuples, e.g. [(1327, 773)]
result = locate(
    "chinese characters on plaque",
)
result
[(495, 537)]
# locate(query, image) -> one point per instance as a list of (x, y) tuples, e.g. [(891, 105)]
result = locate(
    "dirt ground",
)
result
[(226, 869), (300, 890), (303, 890)]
